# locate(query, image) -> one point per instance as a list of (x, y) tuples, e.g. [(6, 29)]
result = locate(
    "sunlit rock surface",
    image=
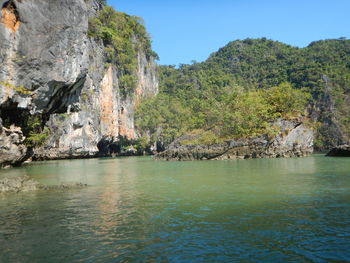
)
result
[(50, 67)]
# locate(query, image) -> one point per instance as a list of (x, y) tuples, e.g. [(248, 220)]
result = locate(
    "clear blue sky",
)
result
[(186, 30)]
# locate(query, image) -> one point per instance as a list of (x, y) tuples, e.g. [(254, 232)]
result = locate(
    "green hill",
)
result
[(240, 88)]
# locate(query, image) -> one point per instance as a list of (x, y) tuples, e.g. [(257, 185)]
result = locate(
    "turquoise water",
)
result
[(140, 210)]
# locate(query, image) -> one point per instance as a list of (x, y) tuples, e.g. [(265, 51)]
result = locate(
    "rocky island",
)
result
[(82, 93), (237, 94), (293, 140), (78, 79)]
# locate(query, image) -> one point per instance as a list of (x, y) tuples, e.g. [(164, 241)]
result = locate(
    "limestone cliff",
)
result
[(12, 149), (51, 69)]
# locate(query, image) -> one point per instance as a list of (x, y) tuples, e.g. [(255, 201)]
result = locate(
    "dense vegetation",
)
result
[(238, 90), (123, 36), (219, 114)]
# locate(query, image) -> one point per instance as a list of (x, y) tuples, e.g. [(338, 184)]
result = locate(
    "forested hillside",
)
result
[(239, 89)]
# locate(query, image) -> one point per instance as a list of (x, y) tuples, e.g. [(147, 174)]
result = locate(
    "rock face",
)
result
[(50, 68), (12, 150), (340, 151), (294, 140)]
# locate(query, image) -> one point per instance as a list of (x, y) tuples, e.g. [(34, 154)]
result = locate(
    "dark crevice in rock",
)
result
[(12, 115), (65, 97), (160, 147), (121, 147), (297, 125), (108, 147), (340, 151)]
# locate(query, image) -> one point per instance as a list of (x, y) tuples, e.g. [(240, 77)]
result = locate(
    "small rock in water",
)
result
[(18, 184), (25, 184)]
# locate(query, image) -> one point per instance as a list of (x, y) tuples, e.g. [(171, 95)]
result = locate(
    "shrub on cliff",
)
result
[(36, 135), (123, 36)]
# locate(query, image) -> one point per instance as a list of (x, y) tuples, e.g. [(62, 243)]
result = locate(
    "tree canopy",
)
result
[(240, 88)]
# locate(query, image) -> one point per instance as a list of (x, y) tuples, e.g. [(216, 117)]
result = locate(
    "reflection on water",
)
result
[(140, 210)]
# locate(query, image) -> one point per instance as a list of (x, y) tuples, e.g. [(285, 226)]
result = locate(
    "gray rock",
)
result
[(294, 140), (25, 184), (12, 149), (18, 184), (340, 151), (50, 67)]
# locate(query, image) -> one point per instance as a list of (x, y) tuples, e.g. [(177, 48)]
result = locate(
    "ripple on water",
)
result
[(139, 210)]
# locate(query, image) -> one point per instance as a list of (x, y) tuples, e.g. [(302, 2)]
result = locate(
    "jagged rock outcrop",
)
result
[(295, 139), (51, 68), (12, 149), (340, 151)]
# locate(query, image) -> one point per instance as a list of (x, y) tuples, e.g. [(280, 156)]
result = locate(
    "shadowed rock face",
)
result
[(294, 140), (340, 151), (50, 67)]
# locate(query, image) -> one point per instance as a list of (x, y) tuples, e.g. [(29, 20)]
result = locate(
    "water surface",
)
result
[(140, 210)]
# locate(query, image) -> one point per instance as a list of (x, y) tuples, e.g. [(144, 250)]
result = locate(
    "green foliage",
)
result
[(33, 123), (35, 134), (20, 89), (142, 144), (219, 114), (285, 101), (127, 82), (37, 139), (163, 116), (202, 137), (123, 36), (240, 88), (23, 90)]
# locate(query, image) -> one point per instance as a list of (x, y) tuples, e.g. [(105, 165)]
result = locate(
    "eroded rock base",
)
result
[(294, 140), (340, 151)]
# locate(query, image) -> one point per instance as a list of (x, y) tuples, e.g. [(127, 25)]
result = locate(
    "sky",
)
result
[(183, 31)]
